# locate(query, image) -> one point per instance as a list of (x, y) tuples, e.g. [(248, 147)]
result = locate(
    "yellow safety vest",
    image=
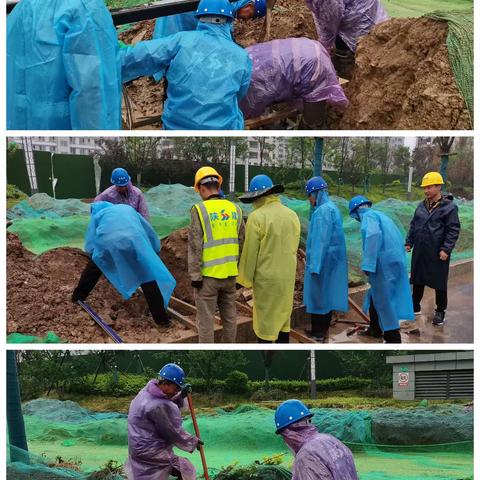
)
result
[(221, 222)]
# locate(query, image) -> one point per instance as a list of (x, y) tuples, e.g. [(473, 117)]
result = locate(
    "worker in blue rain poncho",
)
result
[(317, 456), (326, 268), (124, 247), (65, 69), (207, 72), (155, 429), (383, 260), (183, 22)]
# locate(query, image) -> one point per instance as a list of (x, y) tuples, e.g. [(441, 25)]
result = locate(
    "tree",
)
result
[(445, 145), (461, 165), (383, 157), (354, 162), (402, 160), (141, 152), (265, 148), (301, 150)]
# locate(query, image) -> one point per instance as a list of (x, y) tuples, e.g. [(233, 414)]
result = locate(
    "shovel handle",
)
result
[(197, 433)]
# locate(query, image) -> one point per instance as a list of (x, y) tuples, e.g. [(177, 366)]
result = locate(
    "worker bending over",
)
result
[(124, 247), (268, 262), (215, 239), (123, 192), (383, 260), (326, 269), (296, 70), (317, 456), (433, 233), (341, 23), (155, 429)]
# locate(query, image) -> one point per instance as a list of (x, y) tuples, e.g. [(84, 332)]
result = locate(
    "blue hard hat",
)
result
[(222, 8), (260, 185), (289, 412), (173, 373), (120, 177), (260, 8), (358, 201), (314, 184)]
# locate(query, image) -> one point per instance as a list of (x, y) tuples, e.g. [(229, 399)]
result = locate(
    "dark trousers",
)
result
[(283, 337), (441, 298), (91, 275), (392, 336), (321, 324)]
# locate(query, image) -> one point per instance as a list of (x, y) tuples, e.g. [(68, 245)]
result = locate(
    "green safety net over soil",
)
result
[(460, 50), (43, 223), (410, 444)]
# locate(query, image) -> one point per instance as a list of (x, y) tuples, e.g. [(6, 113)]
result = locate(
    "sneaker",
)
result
[(439, 318), (318, 338)]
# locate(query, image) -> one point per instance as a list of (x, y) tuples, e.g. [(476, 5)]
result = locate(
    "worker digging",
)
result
[(249, 64)]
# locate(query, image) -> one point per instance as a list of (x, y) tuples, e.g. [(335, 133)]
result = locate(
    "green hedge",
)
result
[(128, 385)]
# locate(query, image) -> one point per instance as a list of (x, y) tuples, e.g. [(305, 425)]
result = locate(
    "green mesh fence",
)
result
[(460, 50), (43, 223), (440, 439)]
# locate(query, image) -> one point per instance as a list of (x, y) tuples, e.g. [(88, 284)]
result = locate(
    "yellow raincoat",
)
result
[(268, 264)]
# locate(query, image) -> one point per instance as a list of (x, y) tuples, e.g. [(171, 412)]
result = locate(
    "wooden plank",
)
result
[(182, 319), (357, 308), (302, 338), (192, 308), (254, 123), (246, 308)]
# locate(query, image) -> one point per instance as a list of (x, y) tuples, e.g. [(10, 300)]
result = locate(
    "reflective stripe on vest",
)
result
[(221, 222)]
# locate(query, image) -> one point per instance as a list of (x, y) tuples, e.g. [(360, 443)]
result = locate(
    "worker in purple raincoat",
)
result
[(318, 456), (123, 192), (341, 23), (155, 428)]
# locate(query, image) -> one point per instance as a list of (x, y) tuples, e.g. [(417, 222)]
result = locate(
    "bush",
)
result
[(270, 394), (396, 182), (236, 382)]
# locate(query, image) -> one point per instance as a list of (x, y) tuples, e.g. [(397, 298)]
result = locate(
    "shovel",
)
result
[(197, 433)]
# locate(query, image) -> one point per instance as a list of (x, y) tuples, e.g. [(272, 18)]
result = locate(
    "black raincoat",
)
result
[(431, 232)]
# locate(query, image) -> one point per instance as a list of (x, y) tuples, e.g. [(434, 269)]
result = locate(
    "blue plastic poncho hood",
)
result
[(125, 248), (383, 257)]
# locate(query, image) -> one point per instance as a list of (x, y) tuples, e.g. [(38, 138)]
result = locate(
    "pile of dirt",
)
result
[(403, 80), (39, 290), (38, 300)]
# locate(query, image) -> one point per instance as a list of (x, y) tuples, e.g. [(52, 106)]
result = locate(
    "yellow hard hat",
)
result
[(432, 178), (206, 172)]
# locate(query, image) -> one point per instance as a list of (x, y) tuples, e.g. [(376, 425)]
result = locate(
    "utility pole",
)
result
[(318, 157), (410, 176), (313, 376), (231, 189), (15, 423), (247, 165), (30, 163)]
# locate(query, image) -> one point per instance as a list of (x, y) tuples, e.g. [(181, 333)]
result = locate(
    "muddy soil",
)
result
[(403, 80), (39, 289), (38, 300)]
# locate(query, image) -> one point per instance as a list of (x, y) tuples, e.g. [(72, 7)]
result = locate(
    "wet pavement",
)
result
[(458, 326)]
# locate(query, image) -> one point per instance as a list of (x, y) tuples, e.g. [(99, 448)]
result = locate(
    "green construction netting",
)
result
[(50, 337), (460, 50), (411, 444), (43, 223)]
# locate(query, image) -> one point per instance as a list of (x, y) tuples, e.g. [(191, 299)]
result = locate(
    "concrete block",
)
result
[(425, 366), (404, 366), (405, 395), (464, 364), (425, 357)]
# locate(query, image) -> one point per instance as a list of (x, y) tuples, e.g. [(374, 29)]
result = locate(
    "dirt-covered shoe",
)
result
[(439, 319)]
